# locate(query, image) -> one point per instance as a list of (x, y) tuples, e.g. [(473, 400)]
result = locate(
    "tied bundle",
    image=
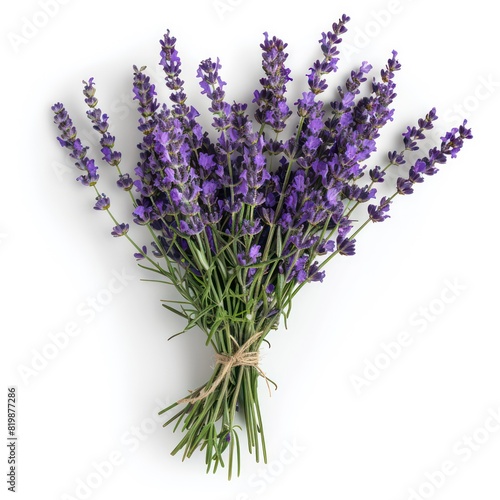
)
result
[(238, 223)]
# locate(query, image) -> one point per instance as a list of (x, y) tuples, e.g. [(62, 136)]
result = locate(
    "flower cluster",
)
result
[(239, 222)]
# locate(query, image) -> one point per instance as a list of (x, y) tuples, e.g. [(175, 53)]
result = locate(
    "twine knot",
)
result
[(242, 357)]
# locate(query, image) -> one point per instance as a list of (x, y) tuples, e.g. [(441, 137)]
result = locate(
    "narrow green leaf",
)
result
[(176, 311)]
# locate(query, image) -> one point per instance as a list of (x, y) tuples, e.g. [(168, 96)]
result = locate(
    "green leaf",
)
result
[(176, 311)]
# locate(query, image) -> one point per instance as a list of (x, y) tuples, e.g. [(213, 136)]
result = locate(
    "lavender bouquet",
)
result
[(240, 222)]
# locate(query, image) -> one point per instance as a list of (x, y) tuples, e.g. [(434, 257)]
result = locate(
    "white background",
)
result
[(96, 399)]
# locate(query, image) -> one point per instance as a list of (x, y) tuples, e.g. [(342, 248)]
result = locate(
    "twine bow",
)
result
[(242, 357)]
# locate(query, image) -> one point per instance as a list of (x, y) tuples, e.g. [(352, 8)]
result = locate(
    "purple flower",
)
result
[(213, 86), (171, 63), (142, 215), (144, 93), (100, 123), (89, 92), (377, 175), (102, 202), (271, 102), (110, 156), (125, 182), (142, 255), (247, 184), (247, 259), (396, 158), (191, 226), (303, 243), (329, 42), (99, 120), (346, 246), (91, 177), (297, 269), (68, 139), (305, 104), (325, 247), (404, 186), (120, 230), (252, 228), (314, 274), (379, 213), (414, 176), (206, 161), (410, 138), (453, 141), (108, 141), (57, 108)]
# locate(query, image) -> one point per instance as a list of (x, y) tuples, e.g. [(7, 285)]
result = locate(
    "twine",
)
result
[(242, 357)]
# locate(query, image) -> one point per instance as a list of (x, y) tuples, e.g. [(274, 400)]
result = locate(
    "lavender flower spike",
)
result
[(329, 46), (69, 140), (271, 102), (100, 123)]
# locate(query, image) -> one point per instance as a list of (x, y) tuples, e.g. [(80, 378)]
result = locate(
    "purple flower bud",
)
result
[(120, 230), (206, 161), (140, 256), (377, 175), (102, 202), (107, 141), (419, 167), (246, 259), (404, 186), (191, 226), (251, 227), (346, 246), (57, 108), (88, 180), (125, 182), (379, 213), (325, 247), (314, 274), (395, 158), (142, 215)]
